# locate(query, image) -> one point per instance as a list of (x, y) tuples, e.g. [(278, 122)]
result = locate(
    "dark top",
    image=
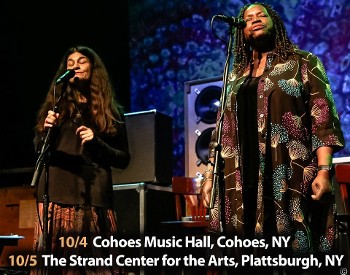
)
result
[(248, 133), (248, 141), (81, 174)]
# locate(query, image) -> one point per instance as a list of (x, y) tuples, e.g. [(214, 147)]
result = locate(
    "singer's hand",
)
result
[(206, 192), (321, 187), (85, 133), (51, 119)]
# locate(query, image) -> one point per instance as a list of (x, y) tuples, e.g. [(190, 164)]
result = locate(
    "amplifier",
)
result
[(150, 137)]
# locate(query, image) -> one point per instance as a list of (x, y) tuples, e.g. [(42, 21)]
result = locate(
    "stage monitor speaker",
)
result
[(150, 146), (202, 98)]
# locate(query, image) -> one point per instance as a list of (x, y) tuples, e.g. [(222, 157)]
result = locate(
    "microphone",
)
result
[(67, 75), (233, 21)]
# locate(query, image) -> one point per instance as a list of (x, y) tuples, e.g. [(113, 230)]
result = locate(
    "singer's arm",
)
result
[(110, 150)]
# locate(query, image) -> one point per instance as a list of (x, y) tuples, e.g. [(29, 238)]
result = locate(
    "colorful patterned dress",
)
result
[(296, 115)]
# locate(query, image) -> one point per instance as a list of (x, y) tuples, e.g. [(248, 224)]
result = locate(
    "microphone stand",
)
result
[(41, 162), (218, 175)]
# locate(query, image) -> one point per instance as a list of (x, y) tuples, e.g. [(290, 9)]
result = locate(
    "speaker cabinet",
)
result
[(150, 145), (137, 208), (202, 98), (140, 209)]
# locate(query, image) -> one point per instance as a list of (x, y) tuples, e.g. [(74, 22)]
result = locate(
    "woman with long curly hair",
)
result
[(80, 135)]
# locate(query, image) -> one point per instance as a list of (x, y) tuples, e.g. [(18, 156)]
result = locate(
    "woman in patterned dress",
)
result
[(279, 130)]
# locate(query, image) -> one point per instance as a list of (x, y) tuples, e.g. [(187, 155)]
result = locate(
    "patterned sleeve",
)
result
[(326, 130)]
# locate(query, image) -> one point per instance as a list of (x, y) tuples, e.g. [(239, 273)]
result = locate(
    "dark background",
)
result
[(34, 38)]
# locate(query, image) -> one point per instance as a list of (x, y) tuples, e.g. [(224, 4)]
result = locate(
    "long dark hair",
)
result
[(105, 112), (283, 45)]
